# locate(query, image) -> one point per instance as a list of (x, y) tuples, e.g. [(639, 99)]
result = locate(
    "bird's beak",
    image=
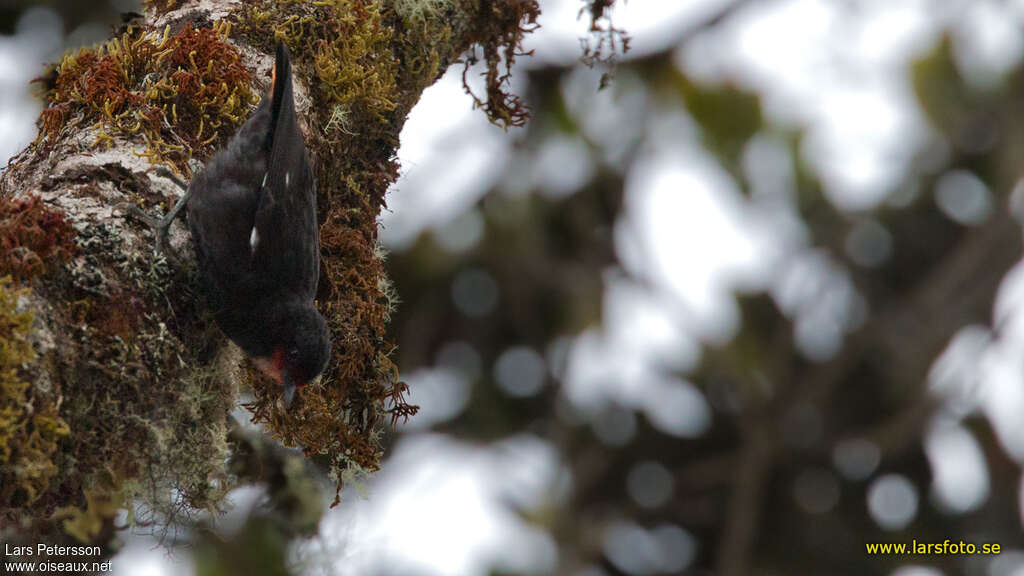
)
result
[(289, 388)]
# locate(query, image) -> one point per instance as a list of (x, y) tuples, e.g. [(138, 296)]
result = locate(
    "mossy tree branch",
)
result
[(120, 388)]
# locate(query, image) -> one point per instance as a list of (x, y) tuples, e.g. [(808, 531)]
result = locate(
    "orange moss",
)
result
[(606, 41), (499, 29), (182, 95), (31, 235)]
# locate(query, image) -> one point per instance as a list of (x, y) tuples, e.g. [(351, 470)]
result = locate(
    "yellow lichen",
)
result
[(101, 506), (30, 424)]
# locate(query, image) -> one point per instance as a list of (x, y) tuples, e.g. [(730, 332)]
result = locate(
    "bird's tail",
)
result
[(282, 73), (287, 152)]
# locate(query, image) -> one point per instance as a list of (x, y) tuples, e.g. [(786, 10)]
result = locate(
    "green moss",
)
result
[(180, 95), (30, 424), (421, 10), (346, 47), (425, 47)]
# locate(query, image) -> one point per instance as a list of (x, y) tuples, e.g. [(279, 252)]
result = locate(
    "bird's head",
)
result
[(299, 352)]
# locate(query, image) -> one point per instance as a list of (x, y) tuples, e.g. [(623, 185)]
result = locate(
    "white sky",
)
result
[(838, 68)]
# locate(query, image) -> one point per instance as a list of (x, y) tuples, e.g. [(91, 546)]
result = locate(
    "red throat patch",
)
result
[(272, 365), (277, 361)]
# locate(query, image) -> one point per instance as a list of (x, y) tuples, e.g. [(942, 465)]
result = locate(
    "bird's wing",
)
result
[(220, 219), (284, 242), (223, 202)]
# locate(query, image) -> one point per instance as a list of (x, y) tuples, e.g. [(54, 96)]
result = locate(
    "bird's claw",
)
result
[(161, 228), (166, 173)]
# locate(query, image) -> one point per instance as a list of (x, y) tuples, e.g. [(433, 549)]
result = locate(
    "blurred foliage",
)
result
[(779, 412), (73, 13), (259, 548)]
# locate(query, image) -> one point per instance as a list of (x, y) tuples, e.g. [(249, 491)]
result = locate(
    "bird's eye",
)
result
[(293, 355)]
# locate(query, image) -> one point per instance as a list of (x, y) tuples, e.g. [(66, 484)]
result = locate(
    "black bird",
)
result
[(252, 215)]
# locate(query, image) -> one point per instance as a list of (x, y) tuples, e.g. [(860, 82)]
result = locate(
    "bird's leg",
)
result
[(162, 225), (166, 173)]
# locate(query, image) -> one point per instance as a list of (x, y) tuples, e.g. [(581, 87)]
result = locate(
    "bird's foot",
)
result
[(166, 173), (162, 226)]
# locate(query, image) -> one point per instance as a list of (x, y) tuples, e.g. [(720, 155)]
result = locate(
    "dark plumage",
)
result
[(252, 214)]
